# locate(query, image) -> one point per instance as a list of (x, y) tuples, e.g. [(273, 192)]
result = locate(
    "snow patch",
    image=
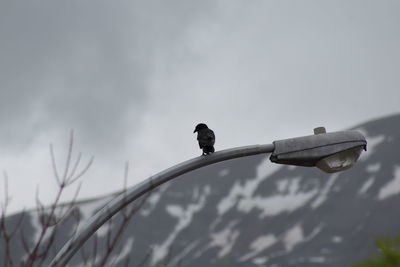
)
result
[(224, 172), (367, 184), (246, 190), (271, 206), (126, 250), (392, 187), (152, 200), (282, 185), (37, 226), (293, 237), (225, 240), (176, 261), (230, 200), (317, 259), (372, 168), (289, 200), (323, 195), (175, 210), (258, 245), (88, 209), (314, 233), (294, 185), (104, 229), (184, 216), (260, 260), (337, 239)]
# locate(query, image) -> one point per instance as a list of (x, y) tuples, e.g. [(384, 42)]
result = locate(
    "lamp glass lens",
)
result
[(340, 161)]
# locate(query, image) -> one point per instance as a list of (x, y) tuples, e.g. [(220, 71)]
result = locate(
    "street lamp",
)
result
[(330, 152)]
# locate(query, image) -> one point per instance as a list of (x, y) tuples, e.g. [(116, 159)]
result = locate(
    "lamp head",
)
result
[(330, 152)]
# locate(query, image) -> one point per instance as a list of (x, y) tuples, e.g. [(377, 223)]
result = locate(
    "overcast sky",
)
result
[(133, 78)]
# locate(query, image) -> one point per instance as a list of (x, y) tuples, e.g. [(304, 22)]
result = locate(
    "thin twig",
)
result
[(69, 155), (54, 165), (3, 229), (73, 171), (126, 217), (81, 173), (49, 219)]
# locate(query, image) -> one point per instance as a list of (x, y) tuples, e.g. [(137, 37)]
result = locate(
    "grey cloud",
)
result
[(94, 65), (134, 77), (82, 65)]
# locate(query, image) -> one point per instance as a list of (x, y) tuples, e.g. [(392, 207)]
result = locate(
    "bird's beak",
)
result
[(194, 131)]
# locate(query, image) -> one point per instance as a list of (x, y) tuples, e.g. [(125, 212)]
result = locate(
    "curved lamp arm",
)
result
[(118, 203)]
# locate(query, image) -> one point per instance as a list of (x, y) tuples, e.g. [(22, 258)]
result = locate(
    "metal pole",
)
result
[(119, 202)]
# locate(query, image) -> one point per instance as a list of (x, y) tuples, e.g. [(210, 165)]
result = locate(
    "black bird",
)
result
[(206, 138)]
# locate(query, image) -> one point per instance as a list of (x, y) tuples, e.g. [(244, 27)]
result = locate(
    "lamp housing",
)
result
[(330, 152)]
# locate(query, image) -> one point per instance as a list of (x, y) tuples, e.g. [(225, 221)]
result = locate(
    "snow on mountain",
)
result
[(250, 212)]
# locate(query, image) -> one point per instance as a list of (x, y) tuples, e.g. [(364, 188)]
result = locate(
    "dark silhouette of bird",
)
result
[(206, 138)]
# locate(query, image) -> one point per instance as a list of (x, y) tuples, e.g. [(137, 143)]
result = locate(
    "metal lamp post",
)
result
[(331, 152)]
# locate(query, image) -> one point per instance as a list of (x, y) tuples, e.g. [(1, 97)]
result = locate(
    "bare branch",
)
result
[(81, 173), (48, 219), (50, 241), (126, 218), (76, 216), (73, 171), (7, 236), (7, 198), (69, 155), (51, 217), (54, 165), (17, 226), (72, 204), (24, 242), (39, 207)]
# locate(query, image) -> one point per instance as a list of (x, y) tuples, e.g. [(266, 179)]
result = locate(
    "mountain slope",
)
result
[(250, 212)]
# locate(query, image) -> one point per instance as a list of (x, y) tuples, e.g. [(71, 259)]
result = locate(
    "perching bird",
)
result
[(206, 138)]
